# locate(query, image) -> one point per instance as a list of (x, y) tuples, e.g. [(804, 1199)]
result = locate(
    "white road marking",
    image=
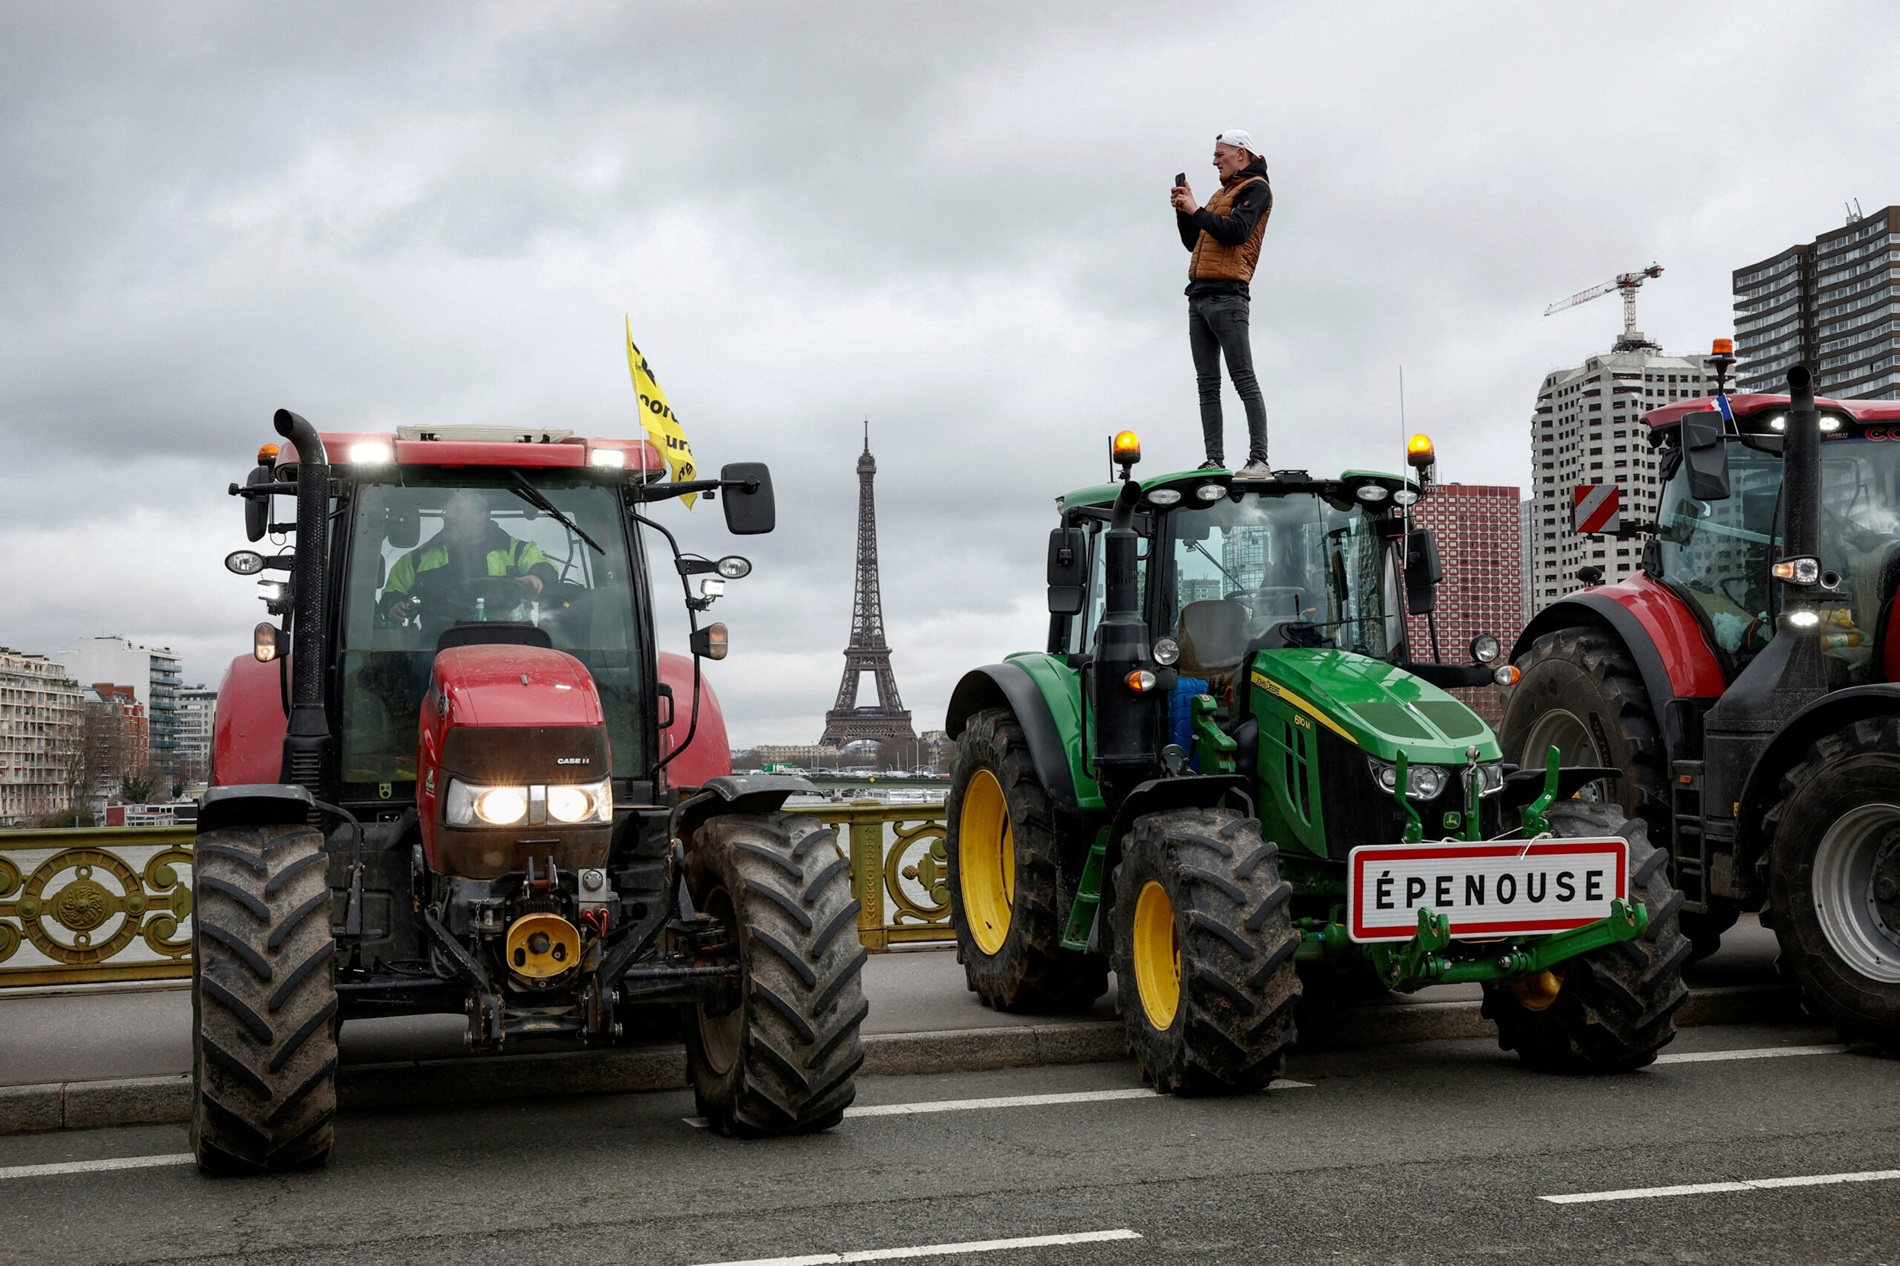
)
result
[(1010, 1101), (1761, 1052), (1707, 1188), (96, 1166), (938, 1250)]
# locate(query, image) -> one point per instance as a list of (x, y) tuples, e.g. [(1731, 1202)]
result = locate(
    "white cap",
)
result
[(1238, 138)]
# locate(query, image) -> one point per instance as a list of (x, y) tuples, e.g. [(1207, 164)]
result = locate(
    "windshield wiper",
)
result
[(1201, 549), (533, 496)]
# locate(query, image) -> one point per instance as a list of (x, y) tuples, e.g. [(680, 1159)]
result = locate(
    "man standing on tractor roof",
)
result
[(447, 572), (1224, 238)]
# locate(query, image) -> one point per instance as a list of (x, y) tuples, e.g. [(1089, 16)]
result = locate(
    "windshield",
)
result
[(1242, 567), (427, 556), (1720, 551)]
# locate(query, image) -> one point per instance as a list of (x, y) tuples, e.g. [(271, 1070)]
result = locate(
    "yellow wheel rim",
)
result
[(1536, 993), (986, 861), (1157, 955)]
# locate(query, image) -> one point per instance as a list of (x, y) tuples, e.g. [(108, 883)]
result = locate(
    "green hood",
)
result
[(1380, 708)]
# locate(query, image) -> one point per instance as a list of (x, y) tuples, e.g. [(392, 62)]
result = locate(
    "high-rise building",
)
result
[(197, 709), (1478, 529), (40, 768), (1832, 304), (1524, 558), (153, 674), (1589, 429)]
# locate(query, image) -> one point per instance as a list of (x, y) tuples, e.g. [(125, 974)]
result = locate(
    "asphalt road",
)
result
[(1440, 1152)]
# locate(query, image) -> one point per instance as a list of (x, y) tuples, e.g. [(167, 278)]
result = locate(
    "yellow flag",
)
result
[(656, 415)]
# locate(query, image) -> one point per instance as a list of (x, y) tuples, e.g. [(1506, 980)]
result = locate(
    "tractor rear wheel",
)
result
[(785, 1058), (1612, 1009), (1582, 693), (1834, 878), (1005, 892), (1204, 952), (263, 1000)]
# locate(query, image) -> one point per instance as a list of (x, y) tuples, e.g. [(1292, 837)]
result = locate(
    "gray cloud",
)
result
[(950, 218)]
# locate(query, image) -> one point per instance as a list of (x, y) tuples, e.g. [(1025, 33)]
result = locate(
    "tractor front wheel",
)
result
[(1583, 694), (1204, 952), (263, 1000), (1005, 890), (1612, 1009), (1834, 878), (783, 1059)]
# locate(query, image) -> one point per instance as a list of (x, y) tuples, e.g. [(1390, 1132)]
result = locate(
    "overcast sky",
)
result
[(951, 219)]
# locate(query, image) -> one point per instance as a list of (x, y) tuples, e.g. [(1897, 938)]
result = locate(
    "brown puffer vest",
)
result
[(1213, 261)]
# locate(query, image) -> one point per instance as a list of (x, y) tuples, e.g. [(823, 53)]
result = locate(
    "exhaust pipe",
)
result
[(307, 734), (1801, 468), (1125, 721)]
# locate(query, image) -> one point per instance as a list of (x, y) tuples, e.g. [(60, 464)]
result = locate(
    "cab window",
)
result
[(427, 557)]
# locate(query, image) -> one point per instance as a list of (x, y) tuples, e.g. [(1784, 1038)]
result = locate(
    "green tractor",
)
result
[(1225, 771)]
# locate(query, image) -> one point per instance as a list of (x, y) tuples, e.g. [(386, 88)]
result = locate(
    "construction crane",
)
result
[(1628, 284)]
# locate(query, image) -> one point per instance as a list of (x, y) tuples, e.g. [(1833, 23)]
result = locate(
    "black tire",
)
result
[(1581, 689), (1583, 684), (1022, 967), (1235, 986), (785, 1060), (1614, 1007), (263, 1001), (1836, 829)]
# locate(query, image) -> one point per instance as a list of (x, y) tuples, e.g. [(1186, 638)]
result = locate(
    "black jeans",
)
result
[(1217, 326)]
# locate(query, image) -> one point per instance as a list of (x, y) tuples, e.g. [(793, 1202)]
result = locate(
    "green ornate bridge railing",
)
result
[(114, 904)]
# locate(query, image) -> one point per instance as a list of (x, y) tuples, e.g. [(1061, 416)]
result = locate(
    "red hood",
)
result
[(516, 685)]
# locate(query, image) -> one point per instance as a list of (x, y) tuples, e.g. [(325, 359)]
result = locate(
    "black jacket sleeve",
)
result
[(1230, 230)]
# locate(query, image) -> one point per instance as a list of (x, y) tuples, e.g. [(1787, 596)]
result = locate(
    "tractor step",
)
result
[(1088, 897), (1692, 850)]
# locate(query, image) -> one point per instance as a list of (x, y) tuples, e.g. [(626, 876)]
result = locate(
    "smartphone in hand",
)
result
[(1180, 178)]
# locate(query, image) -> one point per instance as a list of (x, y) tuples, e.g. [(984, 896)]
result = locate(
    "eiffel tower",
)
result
[(867, 653)]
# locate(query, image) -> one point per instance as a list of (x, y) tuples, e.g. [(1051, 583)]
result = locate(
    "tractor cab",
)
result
[(1721, 519), (1294, 561), (447, 557)]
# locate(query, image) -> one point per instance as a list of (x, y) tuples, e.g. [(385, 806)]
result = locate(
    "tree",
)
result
[(136, 788)]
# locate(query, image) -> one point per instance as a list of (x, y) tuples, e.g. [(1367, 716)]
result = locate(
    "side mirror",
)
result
[(1068, 570), (748, 497), (1705, 455), (1423, 571), (257, 509)]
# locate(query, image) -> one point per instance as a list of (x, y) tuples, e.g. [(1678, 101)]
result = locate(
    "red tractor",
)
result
[(1746, 683), (458, 776)]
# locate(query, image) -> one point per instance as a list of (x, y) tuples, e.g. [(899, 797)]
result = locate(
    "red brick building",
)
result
[(1479, 529)]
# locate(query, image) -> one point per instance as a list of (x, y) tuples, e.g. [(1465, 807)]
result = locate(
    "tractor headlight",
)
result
[(582, 802), (570, 804), (1166, 651), (468, 805), (1491, 778), (1422, 782)]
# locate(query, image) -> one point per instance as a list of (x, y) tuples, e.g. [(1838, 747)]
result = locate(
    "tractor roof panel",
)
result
[(483, 446), (1285, 482), (1747, 404)]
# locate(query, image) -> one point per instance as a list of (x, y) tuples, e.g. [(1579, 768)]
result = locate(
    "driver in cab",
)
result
[(471, 569)]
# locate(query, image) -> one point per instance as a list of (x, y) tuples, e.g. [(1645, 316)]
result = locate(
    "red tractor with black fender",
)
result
[(458, 776), (1746, 683)]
